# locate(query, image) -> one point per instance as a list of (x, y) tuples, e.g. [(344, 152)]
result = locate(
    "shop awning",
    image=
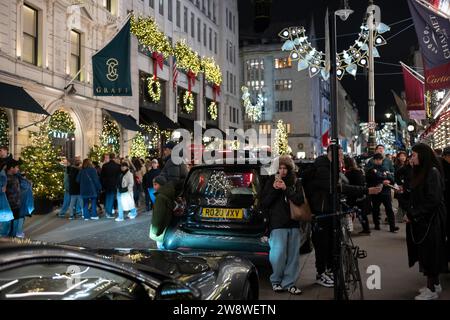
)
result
[(126, 121), (14, 97), (160, 119)]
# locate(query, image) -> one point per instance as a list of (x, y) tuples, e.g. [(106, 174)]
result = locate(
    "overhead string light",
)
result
[(347, 61)]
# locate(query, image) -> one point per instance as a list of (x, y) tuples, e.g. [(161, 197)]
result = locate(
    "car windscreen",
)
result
[(223, 187)]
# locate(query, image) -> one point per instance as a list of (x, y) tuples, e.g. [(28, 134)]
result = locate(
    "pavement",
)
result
[(385, 250)]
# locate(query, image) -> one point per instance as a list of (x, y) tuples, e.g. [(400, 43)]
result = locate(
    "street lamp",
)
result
[(388, 115), (411, 129)]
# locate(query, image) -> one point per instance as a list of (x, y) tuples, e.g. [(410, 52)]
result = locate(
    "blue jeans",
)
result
[(5, 228), (284, 256), (17, 227), (65, 205), (133, 212), (75, 205), (86, 213), (148, 203), (109, 202)]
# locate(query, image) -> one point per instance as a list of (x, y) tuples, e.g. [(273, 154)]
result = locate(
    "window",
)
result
[(226, 17), (283, 106), (178, 14), (215, 42), (199, 30), (234, 115), (151, 3), (265, 128), (235, 87), (282, 85), (288, 128), (229, 20), (30, 35), (214, 11), (192, 25), (108, 5), (282, 63), (227, 50), (185, 16), (161, 7), (237, 115), (203, 6), (255, 64), (75, 53), (204, 34), (231, 51), (169, 10), (234, 24), (210, 39), (209, 8), (228, 85), (197, 3)]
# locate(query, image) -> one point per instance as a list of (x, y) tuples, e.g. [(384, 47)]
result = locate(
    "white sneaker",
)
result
[(132, 217), (427, 294), (95, 218), (118, 219), (324, 280), (437, 289)]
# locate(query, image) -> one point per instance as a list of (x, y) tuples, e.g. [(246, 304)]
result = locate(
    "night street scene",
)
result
[(183, 150)]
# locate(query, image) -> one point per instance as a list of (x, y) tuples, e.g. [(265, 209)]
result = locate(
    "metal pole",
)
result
[(396, 134), (371, 102), (334, 148)]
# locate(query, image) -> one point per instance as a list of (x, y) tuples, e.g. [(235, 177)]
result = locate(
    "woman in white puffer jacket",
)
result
[(125, 200)]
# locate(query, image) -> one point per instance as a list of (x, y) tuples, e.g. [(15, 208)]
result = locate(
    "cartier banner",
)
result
[(414, 90), (111, 66), (433, 32)]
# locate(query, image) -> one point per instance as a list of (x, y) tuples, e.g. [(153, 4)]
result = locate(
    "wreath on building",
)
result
[(212, 110), (188, 102), (154, 89), (61, 123), (4, 128)]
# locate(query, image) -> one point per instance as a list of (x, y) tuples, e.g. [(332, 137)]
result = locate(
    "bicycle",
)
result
[(347, 276)]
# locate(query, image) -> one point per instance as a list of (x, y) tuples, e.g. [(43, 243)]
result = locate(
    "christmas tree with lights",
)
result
[(281, 146), (138, 148), (41, 165)]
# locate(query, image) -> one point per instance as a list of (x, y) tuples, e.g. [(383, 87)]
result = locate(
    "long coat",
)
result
[(425, 235)]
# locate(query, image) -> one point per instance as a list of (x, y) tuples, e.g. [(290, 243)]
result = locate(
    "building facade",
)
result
[(44, 45)]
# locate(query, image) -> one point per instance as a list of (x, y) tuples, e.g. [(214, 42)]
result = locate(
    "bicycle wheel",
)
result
[(350, 282)]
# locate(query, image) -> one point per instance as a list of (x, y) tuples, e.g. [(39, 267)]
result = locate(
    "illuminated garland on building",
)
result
[(281, 146), (212, 71), (253, 112), (188, 102), (212, 110), (4, 128), (61, 124), (41, 165), (348, 60), (148, 34), (187, 59), (138, 147), (154, 89)]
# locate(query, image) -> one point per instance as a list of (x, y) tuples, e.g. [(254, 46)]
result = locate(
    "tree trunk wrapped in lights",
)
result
[(4, 128)]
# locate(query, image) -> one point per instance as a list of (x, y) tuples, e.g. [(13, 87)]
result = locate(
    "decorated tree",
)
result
[(42, 165), (109, 141), (138, 148), (4, 128), (281, 146)]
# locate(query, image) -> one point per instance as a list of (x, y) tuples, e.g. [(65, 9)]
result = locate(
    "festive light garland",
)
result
[(253, 112), (187, 59), (211, 70), (41, 165), (110, 136), (148, 34), (4, 128), (383, 136), (281, 146), (61, 124), (154, 89), (212, 110), (188, 102), (348, 60)]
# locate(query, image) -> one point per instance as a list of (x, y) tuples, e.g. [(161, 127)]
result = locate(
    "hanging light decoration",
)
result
[(347, 61), (253, 112)]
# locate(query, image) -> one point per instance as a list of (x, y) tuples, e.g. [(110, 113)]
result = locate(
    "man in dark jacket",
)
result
[(109, 178), (317, 187), (74, 189), (379, 175), (386, 163), (172, 172), (446, 168), (162, 210)]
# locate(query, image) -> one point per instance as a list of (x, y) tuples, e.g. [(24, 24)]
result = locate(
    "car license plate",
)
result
[(223, 213)]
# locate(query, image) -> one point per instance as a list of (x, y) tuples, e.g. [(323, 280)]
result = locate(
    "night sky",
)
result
[(398, 48)]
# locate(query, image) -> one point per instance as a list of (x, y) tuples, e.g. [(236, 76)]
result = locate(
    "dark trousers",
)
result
[(322, 237), (364, 206), (148, 201), (386, 200)]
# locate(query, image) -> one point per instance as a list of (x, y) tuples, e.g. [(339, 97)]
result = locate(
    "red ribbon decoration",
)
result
[(216, 91), (191, 80), (158, 61)]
